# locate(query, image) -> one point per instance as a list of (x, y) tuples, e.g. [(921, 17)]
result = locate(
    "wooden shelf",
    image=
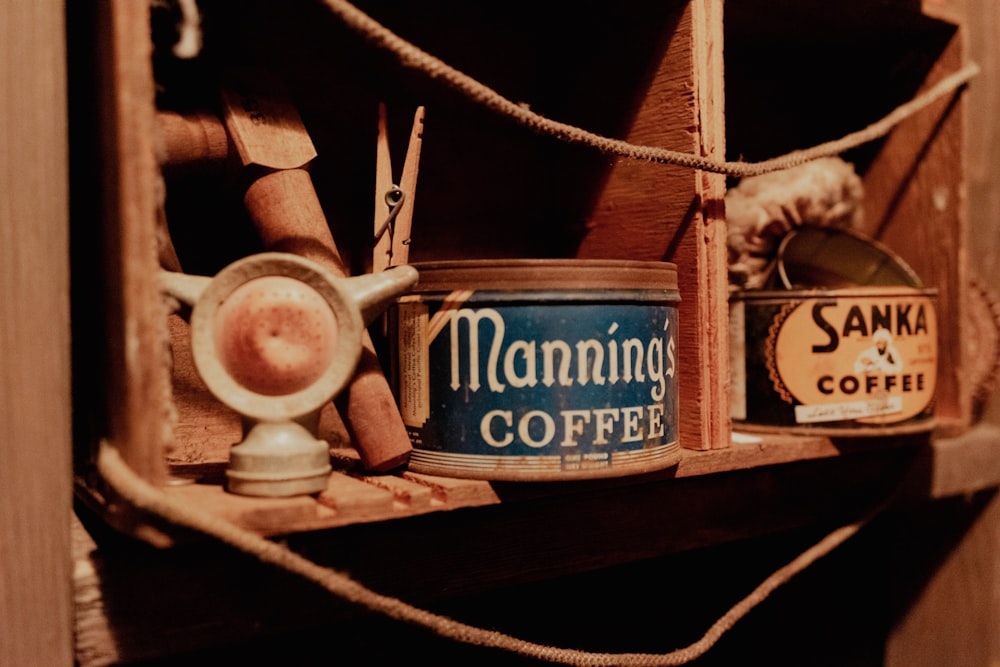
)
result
[(131, 597), (354, 497)]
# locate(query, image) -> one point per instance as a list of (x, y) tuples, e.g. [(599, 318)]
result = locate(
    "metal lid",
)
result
[(812, 256)]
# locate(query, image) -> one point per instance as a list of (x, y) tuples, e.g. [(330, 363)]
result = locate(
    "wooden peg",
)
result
[(190, 141), (408, 184), (383, 183), (392, 248)]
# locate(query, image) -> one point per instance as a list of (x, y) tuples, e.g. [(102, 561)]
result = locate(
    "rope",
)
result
[(413, 57), (148, 498)]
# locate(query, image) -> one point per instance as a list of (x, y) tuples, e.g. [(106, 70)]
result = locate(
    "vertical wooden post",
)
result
[(35, 448), (659, 212), (983, 146), (138, 382)]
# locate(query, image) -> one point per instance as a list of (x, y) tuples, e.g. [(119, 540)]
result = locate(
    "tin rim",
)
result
[(518, 469), (545, 274), (846, 292)]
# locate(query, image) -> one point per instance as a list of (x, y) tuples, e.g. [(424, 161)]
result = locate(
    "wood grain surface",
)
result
[(35, 449)]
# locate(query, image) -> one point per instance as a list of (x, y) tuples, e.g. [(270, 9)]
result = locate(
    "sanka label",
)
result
[(537, 384), (871, 360)]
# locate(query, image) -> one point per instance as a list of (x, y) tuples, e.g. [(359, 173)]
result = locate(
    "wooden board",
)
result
[(35, 414), (915, 203), (135, 370)]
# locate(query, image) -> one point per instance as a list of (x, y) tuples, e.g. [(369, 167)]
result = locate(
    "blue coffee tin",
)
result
[(541, 370)]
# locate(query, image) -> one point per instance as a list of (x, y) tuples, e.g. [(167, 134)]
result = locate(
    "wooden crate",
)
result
[(648, 72)]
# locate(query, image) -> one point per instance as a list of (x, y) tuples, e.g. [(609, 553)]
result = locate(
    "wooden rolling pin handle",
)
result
[(191, 141), (289, 218)]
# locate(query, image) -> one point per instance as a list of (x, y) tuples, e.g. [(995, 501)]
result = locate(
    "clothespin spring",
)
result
[(394, 199)]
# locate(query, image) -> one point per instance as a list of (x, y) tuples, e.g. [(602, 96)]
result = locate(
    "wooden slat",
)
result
[(405, 493), (713, 280), (138, 384), (983, 148), (915, 203), (205, 429), (35, 434)]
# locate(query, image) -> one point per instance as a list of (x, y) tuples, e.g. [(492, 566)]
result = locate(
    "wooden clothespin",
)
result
[(394, 203)]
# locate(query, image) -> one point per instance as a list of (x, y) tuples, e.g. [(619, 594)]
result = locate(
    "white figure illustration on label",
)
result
[(881, 357)]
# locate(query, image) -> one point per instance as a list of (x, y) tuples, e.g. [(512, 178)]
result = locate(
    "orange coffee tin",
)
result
[(851, 361)]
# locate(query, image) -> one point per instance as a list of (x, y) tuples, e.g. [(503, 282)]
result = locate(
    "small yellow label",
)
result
[(414, 363)]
